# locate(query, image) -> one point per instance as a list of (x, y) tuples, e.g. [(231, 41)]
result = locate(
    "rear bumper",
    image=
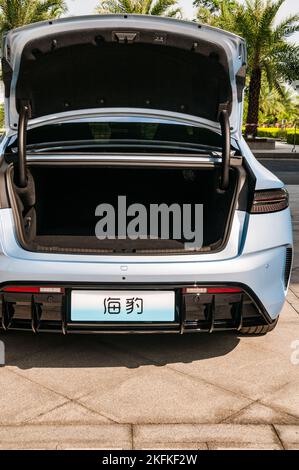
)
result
[(263, 273), (204, 312)]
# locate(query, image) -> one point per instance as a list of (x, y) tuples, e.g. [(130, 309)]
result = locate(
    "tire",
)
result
[(258, 330)]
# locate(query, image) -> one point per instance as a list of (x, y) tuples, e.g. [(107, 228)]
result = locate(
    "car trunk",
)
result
[(57, 209)]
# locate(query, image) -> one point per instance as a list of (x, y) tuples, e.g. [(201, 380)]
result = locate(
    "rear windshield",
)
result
[(126, 134), (124, 131)]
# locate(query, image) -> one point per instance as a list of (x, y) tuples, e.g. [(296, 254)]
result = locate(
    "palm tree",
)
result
[(217, 13), (273, 105), (15, 13), (270, 55), (143, 7)]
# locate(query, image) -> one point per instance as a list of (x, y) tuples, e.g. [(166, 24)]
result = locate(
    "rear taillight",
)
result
[(270, 200), (210, 290), (34, 289)]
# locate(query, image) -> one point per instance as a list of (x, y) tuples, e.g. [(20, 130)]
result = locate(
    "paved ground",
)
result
[(197, 392), (282, 147), (287, 170), (282, 151)]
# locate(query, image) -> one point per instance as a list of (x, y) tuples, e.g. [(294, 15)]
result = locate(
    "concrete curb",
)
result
[(157, 436), (261, 155)]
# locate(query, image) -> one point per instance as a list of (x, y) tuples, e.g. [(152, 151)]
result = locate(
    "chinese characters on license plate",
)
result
[(115, 305), (123, 306)]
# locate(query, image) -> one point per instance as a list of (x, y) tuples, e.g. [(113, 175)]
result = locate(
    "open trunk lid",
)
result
[(123, 61)]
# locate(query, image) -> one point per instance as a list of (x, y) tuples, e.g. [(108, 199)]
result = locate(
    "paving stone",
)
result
[(246, 370), (295, 287), (289, 435), (66, 437), (70, 413), (157, 394), (256, 413), (291, 297), (21, 400), (221, 434), (295, 305), (291, 447), (176, 446), (281, 340), (286, 399), (77, 368), (246, 446)]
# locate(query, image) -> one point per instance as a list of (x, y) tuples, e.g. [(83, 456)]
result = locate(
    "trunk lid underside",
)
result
[(119, 61)]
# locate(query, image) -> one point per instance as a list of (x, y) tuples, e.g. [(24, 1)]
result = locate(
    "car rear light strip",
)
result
[(34, 289), (272, 200), (210, 290)]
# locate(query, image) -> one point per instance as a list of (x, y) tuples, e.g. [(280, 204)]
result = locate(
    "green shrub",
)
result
[(271, 132), (291, 137), (1, 118)]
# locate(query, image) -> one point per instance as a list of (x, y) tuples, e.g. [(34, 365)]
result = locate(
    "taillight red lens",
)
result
[(223, 290), (272, 200), (34, 289), (210, 290)]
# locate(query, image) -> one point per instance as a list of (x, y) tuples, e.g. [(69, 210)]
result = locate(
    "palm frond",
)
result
[(110, 6), (286, 27), (48, 9), (175, 13), (146, 6), (160, 7), (279, 88), (14, 13), (149, 7)]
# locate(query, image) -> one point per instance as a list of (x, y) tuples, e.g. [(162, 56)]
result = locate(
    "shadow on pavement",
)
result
[(26, 351)]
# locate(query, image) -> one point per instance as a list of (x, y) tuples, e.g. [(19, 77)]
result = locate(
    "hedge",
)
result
[(1, 116), (290, 138), (274, 132)]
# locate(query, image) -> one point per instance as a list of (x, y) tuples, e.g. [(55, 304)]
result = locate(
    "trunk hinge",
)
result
[(225, 131), (21, 172)]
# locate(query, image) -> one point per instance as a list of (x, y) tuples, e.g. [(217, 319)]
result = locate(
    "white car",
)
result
[(109, 114)]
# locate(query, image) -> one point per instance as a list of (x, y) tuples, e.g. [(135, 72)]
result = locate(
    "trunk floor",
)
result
[(90, 244)]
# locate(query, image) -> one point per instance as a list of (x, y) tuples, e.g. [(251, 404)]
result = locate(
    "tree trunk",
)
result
[(253, 102)]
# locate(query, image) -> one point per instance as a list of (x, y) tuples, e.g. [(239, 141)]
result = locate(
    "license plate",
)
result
[(122, 306)]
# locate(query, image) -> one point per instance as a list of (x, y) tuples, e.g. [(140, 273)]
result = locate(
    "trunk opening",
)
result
[(57, 212)]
